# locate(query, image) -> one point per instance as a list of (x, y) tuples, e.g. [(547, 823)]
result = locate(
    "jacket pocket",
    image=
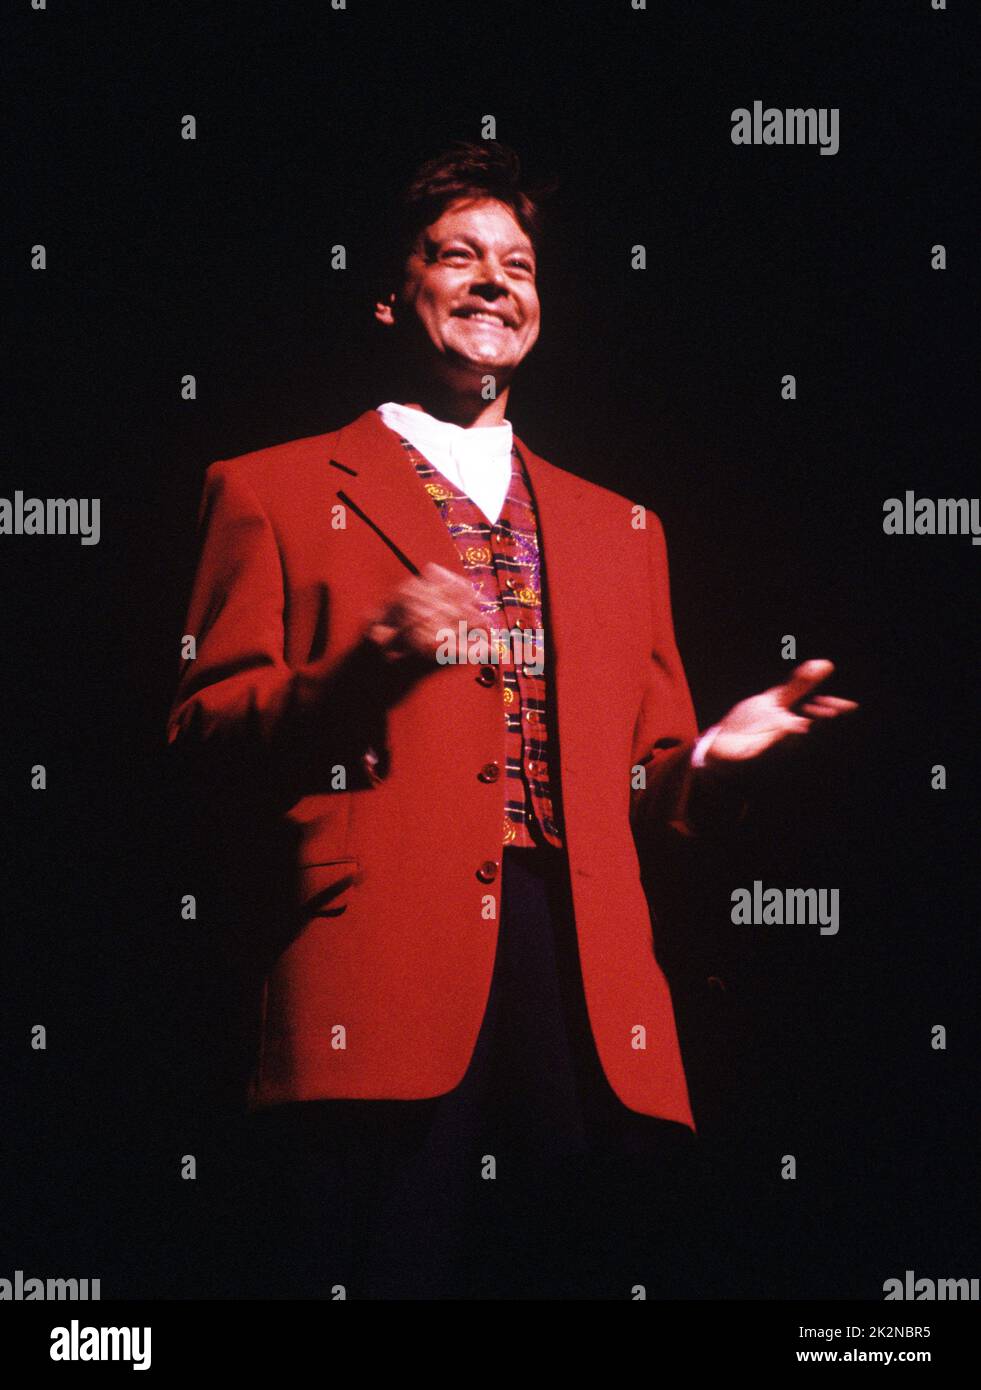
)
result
[(323, 889)]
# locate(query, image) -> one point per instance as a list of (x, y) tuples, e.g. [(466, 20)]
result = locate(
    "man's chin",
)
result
[(459, 369)]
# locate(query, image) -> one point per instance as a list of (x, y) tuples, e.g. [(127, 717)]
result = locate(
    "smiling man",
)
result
[(467, 1056), (457, 324)]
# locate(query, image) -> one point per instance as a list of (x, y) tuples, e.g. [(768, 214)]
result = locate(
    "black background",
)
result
[(212, 257)]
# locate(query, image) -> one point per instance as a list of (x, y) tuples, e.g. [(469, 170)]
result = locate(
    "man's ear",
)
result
[(385, 309)]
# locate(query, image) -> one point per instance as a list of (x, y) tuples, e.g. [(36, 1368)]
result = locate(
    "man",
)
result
[(461, 1008)]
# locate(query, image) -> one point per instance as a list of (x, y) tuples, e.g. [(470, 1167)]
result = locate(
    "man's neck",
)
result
[(468, 411)]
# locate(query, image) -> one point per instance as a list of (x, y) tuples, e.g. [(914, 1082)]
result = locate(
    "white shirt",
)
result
[(478, 460)]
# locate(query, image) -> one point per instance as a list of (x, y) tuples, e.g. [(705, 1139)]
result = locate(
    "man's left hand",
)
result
[(758, 724)]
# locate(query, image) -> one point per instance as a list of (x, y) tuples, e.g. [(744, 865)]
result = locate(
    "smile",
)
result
[(494, 320)]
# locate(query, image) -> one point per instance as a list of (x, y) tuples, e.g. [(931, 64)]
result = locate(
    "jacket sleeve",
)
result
[(675, 795), (242, 714)]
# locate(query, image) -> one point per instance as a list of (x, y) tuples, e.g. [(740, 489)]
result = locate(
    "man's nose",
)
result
[(489, 279)]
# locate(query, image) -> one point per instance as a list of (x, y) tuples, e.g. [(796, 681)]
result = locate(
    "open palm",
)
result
[(759, 723)]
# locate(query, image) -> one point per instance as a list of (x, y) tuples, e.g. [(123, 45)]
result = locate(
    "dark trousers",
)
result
[(529, 1180)]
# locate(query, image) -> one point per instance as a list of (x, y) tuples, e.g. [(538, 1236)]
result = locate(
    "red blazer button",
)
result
[(489, 772), (488, 871)]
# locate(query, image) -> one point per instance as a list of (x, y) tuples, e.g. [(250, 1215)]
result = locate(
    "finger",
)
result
[(382, 633), (436, 576), (467, 612), (408, 592), (434, 572), (797, 725), (802, 680), (831, 704), (451, 616), (393, 615)]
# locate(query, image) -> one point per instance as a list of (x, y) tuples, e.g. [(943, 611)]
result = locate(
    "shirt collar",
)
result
[(420, 429)]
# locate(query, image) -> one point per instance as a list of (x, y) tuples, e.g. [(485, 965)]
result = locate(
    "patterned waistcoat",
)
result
[(505, 568)]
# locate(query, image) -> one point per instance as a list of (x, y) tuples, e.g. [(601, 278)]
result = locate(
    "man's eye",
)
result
[(522, 265)]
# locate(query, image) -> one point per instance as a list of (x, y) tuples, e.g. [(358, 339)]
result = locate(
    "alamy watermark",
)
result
[(521, 646), (932, 516), (764, 907), (51, 516), (930, 1290), (78, 1343), (18, 1289), (795, 125)]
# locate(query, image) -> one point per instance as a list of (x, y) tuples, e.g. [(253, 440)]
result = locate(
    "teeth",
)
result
[(486, 318)]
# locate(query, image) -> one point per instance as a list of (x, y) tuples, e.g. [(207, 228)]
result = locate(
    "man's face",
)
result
[(469, 301)]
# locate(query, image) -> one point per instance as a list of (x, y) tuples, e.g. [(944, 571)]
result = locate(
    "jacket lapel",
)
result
[(377, 480), (574, 591)]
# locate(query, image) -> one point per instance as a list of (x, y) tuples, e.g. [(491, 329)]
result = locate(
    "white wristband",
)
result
[(698, 752)]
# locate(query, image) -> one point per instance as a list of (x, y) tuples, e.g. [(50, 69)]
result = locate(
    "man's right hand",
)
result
[(420, 610)]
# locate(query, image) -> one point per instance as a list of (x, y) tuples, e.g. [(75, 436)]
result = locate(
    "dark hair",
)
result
[(465, 169)]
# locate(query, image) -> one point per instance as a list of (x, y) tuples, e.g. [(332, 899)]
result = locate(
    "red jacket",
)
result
[(378, 966)]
